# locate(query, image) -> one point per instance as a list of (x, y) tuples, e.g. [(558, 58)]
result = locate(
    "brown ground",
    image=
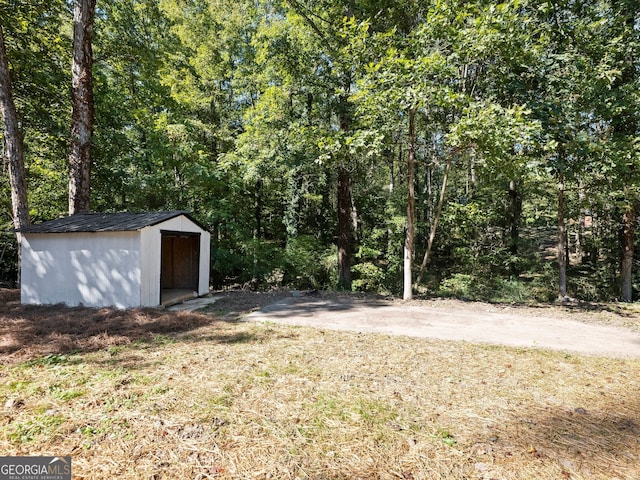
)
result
[(161, 395), (239, 302), (28, 332)]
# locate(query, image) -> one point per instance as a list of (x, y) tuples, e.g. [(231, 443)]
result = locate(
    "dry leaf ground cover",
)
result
[(154, 395)]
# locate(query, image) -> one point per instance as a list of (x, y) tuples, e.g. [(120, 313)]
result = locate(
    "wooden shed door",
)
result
[(180, 266)]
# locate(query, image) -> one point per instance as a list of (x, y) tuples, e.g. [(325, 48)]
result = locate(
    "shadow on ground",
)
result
[(28, 332), (582, 442), (311, 306)]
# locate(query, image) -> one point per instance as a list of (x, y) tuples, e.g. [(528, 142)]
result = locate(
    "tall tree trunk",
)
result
[(291, 215), (581, 223), (257, 210), (13, 143), (82, 106), (411, 210), (345, 234), (626, 125), (626, 266), (392, 182), (13, 150), (345, 200), (515, 201), (346, 212), (436, 218), (472, 174), (562, 258)]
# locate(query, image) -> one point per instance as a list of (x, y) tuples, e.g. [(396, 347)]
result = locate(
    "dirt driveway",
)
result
[(555, 329), (611, 330)]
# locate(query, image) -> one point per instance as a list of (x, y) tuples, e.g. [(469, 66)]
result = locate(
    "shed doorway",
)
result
[(180, 266)]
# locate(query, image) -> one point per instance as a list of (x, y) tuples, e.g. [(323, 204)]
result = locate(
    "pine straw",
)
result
[(31, 331), (240, 401)]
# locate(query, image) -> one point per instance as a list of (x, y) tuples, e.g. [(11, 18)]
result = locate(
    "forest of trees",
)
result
[(475, 149)]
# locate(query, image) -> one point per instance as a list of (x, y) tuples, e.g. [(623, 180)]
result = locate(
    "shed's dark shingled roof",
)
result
[(104, 222)]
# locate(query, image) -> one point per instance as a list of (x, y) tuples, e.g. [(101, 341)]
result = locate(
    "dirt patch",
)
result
[(234, 304), (625, 315), (237, 303)]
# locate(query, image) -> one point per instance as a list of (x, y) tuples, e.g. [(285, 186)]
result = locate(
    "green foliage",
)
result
[(29, 431), (446, 437), (304, 267), (8, 260), (496, 289), (260, 259), (461, 286), (39, 50), (243, 111), (368, 277), (51, 360)]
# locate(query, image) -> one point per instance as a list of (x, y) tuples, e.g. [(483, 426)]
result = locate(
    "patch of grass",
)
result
[(498, 290), (446, 437), (145, 343), (303, 403), (34, 428), (112, 426), (64, 394), (114, 350), (21, 386), (52, 359)]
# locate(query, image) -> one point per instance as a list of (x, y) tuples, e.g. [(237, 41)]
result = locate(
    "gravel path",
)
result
[(512, 328)]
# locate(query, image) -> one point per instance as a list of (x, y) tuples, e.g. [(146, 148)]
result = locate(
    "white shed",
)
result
[(122, 260)]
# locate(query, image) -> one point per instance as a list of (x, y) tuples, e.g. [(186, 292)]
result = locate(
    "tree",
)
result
[(133, 153), (13, 143), (38, 43), (321, 20), (625, 126), (296, 129), (82, 106), (589, 108), (436, 73)]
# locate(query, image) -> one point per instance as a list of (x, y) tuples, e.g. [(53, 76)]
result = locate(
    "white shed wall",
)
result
[(151, 238), (205, 263), (92, 269)]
